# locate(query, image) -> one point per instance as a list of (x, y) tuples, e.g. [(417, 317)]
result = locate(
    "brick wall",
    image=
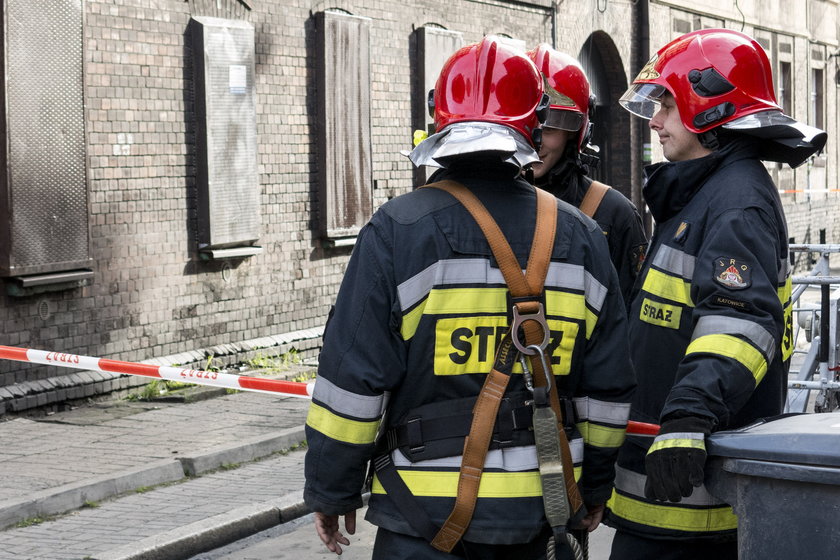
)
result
[(152, 295)]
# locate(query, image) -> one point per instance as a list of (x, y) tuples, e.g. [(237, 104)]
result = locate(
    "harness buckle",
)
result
[(382, 462), (391, 439), (537, 350), (414, 431), (519, 319), (505, 424)]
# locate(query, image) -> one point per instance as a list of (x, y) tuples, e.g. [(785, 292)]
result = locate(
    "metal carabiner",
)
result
[(526, 372), (519, 320), (546, 370)]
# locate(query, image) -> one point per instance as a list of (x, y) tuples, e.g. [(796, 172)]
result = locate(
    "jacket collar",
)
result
[(669, 186), (565, 181)]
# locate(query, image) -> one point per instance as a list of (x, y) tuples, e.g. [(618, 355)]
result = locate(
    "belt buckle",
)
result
[(414, 431)]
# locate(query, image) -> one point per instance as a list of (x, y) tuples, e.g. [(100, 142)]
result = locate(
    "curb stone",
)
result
[(69, 497), (211, 533)]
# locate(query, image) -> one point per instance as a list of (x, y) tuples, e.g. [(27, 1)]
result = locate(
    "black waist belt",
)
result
[(421, 438), (438, 430)]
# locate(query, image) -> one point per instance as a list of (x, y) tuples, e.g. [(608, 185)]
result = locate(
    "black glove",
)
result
[(675, 461)]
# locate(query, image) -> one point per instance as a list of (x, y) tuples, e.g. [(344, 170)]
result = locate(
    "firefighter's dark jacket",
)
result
[(710, 328), (416, 321), (616, 215)]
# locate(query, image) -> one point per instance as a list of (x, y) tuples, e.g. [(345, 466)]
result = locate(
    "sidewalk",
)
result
[(105, 464)]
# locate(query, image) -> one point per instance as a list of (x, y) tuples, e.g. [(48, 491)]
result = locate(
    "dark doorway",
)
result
[(611, 133)]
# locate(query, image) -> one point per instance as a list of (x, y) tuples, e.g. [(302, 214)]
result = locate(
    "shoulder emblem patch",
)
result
[(682, 232), (731, 273), (637, 259)]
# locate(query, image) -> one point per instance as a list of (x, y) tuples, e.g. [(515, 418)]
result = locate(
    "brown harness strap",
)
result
[(472, 463), (593, 197), (528, 285)]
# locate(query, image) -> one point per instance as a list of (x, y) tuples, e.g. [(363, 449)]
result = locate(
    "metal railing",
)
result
[(814, 378)]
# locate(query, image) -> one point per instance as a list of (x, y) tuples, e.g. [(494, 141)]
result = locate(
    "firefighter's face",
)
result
[(678, 143), (553, 145)]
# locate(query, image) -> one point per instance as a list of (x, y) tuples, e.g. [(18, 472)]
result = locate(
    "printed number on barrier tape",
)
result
[(199, 377)]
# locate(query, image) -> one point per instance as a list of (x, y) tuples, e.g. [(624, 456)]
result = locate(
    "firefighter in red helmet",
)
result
[(463, 327), (710, 327), (564, 167)]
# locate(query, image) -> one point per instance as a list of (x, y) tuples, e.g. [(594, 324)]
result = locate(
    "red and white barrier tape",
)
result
[(212, 378), (642, 429)]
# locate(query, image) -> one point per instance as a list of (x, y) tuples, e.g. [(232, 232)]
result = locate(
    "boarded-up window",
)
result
[(434, 47), (226, 133), (817, 98), (344, 129), (785, 87), (43, 184)]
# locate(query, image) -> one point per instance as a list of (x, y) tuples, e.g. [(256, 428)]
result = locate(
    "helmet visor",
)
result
[(564, 120), (642, 99)]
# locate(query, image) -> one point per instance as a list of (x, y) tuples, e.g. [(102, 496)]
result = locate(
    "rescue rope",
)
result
[(577, 549)]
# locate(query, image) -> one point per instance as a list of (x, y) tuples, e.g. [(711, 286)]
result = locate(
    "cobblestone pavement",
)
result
[(70, 447), (79, 461), (131, 524)]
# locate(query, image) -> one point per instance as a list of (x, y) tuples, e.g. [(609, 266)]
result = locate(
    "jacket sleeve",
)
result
[(628, 243), (361, 361), (738, 321), (602, 398)]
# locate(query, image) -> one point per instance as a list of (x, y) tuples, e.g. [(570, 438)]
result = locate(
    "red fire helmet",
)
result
[(489, 82), (567, 89), (715, 75)]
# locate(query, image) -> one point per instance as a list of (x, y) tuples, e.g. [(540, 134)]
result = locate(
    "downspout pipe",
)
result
[(639, 131)]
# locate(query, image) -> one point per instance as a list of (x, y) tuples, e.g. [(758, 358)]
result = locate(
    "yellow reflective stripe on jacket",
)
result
[(673, 516), (455, 301), (476, 301), (339, 428), (784, 293), (570, 305), (480, 302), (668, 287), (731, 347), (601, 436), (444, 484), (676, 442)]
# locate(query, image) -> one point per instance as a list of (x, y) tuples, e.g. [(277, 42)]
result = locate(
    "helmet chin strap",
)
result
[(536, 138), (529, 174), (709, 139), (582, 161)]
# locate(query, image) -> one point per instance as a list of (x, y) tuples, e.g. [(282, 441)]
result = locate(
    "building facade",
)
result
[(185, 178)]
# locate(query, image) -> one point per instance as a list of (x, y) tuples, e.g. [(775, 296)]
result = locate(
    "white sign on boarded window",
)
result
[(237, 78)]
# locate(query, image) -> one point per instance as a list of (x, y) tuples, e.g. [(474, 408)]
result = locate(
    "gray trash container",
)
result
[(782, 478)]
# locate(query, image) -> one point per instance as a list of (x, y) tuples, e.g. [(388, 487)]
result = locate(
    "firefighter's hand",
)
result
[(675, 461), (594, 515), (327, 528)]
